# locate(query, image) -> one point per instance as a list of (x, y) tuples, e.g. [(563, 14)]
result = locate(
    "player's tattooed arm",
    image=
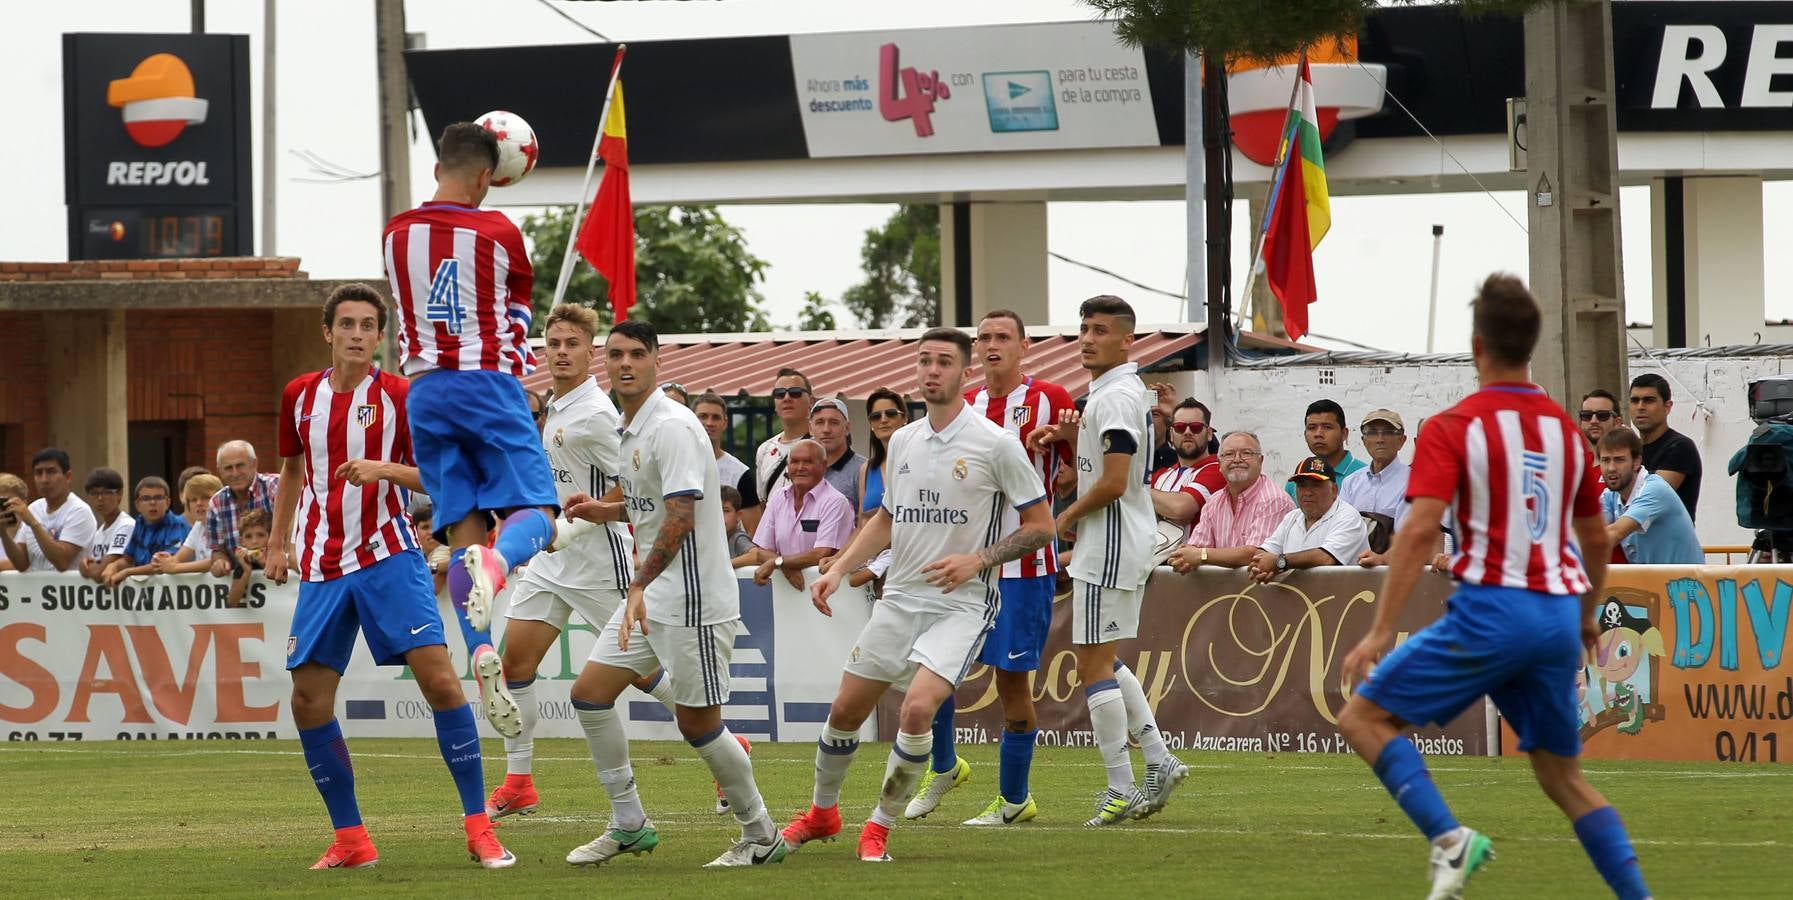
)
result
[(681, 518), (1019, 543)]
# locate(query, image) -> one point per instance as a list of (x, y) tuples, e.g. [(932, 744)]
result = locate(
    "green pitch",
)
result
[(242, 819)]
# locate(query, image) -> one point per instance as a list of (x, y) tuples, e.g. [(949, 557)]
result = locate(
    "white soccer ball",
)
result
[(517, 150)]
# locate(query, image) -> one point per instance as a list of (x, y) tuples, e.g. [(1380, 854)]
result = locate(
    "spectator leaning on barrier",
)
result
[(1668, 453), (105, 490), (195, 553), (1379, 490), (790, 400), (1326, 434), (1242, 517), (1179, 491), (191, 514), (1322, 530), (252, 543), (158, 531), (739, 541), (1599, 414), (244, 489), (12, 488), (805, 521), (57, 528), (829, 423), (1643, 515)]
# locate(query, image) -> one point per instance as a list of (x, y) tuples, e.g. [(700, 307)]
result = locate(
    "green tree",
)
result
[(693, 271), (815, 315), (1258, 31), (902, 271)]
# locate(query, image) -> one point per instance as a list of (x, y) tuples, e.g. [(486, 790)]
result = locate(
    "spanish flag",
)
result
[(607, 239), (1300, 213)]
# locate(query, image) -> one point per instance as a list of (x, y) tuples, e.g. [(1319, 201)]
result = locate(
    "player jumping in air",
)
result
[(580, 434), (1115, 531), (1524, 497), (461, 281), (346, 468), (681, 613), (1016, 403), (948, 480)]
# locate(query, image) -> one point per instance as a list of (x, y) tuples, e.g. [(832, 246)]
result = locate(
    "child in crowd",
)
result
[(195, 553), (739, 541), (158, 531), (105, 490), (252, 540)]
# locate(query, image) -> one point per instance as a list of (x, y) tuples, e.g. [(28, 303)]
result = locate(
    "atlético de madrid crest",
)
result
[(1020, 415), (365, 415)]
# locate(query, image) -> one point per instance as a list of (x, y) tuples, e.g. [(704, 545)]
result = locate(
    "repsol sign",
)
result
[(1704, 66)]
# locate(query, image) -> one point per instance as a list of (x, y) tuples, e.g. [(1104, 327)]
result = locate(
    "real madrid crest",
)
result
[(960, 469), (636, 461), (1107, 443), (560, 437)]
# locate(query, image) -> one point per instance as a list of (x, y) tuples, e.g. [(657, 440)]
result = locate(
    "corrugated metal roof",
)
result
[(854, 366)]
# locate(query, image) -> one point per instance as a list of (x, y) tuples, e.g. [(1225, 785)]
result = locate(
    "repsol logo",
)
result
[(1691, 53), (145, 174)]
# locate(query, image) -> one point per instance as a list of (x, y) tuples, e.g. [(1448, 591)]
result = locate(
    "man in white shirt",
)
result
[(682, 610), (57, 528), (590, 573), (1321, 530), (712, 413), (1115, 530), (948, 479), (790, 401), (105, 490), (1381, 486)]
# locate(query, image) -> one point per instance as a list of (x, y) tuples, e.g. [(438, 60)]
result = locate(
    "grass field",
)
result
[(243, 819)]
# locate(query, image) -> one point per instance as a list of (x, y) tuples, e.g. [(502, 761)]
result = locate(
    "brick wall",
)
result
[(209, 367), (124, 270), (24, 406)]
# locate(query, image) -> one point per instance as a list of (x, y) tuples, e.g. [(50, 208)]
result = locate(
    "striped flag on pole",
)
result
[(1300, 212)]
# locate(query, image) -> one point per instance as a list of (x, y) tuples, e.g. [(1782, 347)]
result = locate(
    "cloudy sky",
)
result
[(1378, 255)]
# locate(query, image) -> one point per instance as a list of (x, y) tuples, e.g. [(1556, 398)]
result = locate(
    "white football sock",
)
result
[(609, 746), (834, 756), (519, 752), (732, 770), (661, 690), (1108, 720), (1140, 722), (908, 756)]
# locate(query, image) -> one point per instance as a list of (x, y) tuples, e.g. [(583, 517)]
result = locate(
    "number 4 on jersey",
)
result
[(444, 302)]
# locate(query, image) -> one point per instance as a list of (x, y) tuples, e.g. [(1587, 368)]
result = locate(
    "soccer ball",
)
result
[(516, 146)]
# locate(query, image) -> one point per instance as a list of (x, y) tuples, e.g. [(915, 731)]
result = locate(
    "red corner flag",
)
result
[(607, 239)]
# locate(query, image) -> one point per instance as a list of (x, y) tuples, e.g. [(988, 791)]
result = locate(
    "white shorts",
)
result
[(535, 600), (695, 659), (907, 631), (1100, 614)]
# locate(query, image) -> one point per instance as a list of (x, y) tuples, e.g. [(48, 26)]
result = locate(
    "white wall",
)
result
[(1270, 402)]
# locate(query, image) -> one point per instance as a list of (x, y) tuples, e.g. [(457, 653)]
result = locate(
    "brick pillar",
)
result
[(84, 373)]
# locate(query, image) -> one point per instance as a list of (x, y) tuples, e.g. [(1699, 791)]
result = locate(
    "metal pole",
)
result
[(1432, 307), (567, 262), (269, 151), (395, 131), (1219, 229), (1195, 252), (197, 16)]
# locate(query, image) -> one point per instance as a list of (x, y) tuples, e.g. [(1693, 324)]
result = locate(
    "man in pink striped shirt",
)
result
[(1231, 529)]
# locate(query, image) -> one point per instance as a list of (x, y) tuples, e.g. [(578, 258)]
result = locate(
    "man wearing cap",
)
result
[(1381, 486), (1322, 530), (828, 424)]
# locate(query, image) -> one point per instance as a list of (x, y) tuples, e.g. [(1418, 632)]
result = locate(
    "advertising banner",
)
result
[(1690, 665), (162, 657), (1013, 87), (1230, 665)]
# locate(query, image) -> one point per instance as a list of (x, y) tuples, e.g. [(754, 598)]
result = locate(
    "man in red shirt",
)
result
[(346, 471), (1179, 492), (1523, 494)]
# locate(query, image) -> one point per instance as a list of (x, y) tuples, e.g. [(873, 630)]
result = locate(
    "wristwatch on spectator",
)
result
[(1282, 562), (1204, 556), (778, 562)]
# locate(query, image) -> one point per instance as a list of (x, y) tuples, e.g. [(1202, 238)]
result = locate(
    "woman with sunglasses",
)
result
[(886, 412)]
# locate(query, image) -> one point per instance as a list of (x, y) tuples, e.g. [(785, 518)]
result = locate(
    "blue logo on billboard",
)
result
[(1020, 101)]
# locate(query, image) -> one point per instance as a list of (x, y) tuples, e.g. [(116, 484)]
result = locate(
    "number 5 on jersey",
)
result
[(444, 302)]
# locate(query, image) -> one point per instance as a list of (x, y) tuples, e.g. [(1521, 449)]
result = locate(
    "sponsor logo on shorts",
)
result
[(1112, 628), (853, 657), (1017, 655), (292, 645), (419, 629)]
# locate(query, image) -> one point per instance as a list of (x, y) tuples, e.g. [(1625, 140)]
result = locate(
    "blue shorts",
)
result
[(476, 447), (1520, 648), (1022, 622), (392, 602)]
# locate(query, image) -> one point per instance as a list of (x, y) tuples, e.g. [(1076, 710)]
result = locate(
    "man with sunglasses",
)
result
[(1599, 414), (790, 401), (1180, 491)]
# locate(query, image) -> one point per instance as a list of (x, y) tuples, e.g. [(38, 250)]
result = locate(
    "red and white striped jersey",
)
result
[(1516, 473), (1031, 403), (341, 528), (461, 281)]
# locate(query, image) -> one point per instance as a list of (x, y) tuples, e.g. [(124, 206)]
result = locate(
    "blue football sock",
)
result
[(945, 758), (1017, 759), (327, 755), (524, 534), (1404, 774), (458, 738), (1603, 837), (459, 583)]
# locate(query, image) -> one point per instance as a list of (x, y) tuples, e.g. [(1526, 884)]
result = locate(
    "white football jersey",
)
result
[(666, 453), (946, 493), (1114, 543), (111, 539), (581, 435)]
